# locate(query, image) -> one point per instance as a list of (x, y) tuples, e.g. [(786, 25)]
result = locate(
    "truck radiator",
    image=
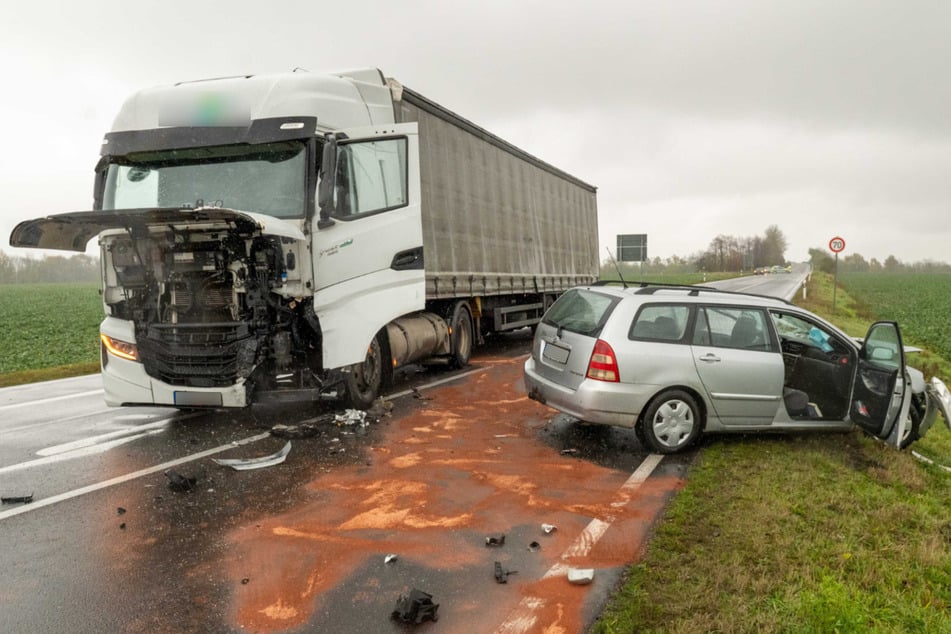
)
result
[(198, 355)]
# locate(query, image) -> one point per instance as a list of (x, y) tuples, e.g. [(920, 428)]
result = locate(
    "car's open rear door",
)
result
[(881, 394)]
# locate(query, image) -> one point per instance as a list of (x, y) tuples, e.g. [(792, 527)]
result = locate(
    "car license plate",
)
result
[(555, 353)]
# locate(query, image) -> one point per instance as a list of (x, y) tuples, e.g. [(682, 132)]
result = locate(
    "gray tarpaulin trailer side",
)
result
[(496, 220)]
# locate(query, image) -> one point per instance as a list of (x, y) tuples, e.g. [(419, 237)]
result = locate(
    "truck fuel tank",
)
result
[(417, 336)]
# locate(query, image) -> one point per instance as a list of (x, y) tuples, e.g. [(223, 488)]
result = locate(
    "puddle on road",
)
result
[(464, 465)]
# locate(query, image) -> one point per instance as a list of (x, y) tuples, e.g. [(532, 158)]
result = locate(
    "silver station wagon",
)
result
[(674, 362)]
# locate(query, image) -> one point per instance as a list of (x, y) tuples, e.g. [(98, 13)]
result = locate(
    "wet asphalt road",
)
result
[(299, 547)]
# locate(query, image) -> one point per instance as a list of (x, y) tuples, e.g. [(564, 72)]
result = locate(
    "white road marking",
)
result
[(448, 379), (80, 452), (26, 508), (92, 445), (523, 617), (50, 400)]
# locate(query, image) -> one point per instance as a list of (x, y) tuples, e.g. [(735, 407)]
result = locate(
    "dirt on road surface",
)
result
[(450, 469)]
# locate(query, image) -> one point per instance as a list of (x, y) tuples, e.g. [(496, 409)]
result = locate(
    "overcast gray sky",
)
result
[(692, 118)]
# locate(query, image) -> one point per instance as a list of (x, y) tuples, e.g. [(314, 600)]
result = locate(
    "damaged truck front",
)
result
[(281, 236)]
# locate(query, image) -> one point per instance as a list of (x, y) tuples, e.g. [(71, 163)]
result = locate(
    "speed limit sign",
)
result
[(837, 244)]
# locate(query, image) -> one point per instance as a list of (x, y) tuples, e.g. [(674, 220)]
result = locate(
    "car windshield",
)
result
[(268, 178), (580, 311)]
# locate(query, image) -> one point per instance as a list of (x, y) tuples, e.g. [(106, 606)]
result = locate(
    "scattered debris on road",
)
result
[(417, 394), (580, 576), (569, 452), (120, 511), (534, 547), (246, 464), (179, 483), (17, 499), (549, 528), (415, 608), (352, 417), (495, 541), (501, 574), (389, 559)]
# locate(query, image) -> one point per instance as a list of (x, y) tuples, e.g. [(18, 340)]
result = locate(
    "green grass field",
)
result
[(920, 303), (48, 330)]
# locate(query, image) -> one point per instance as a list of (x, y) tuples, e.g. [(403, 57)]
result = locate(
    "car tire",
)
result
[(365, 381), (672, 422), (912, 427)]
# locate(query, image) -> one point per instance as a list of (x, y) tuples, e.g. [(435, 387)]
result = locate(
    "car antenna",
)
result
[(616, 267)]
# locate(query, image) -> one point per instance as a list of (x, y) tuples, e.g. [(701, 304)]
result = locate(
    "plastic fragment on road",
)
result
[(568, 452), (495, 541), (179, 483), (549, 528), (416, 607), (417, 394), (501, 574), (580, 576), (246, 464), (16, 499), (351, 417), (534, 547), (389, 559)]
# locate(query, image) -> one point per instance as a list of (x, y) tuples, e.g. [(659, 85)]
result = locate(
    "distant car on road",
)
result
[(675, 362)]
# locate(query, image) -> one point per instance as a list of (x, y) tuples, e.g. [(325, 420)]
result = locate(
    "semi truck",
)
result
[(302, 235)]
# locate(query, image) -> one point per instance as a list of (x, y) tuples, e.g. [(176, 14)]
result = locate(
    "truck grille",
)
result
[(198, 355)]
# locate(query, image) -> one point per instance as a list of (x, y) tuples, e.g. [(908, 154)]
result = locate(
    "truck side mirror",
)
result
[(325, 189)]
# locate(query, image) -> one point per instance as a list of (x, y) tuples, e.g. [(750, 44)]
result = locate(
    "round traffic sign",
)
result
[(837, 244)]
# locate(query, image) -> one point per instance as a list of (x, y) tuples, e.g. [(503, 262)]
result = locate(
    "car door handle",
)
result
[(710, 358)]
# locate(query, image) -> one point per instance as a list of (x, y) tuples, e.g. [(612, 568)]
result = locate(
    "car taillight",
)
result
[(603, 364)]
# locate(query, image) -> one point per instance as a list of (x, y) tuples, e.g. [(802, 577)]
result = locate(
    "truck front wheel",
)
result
[(365, 380)]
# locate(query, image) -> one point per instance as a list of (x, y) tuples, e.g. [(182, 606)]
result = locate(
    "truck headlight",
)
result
[(121, 349)]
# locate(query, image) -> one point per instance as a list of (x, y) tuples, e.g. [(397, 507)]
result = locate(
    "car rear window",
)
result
[(580, 310)]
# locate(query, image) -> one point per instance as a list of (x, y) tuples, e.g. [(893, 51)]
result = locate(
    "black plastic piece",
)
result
[(415, 608)]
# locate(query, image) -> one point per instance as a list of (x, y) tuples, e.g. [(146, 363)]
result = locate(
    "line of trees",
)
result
[(725, 253), (50, 268), (822, 260)]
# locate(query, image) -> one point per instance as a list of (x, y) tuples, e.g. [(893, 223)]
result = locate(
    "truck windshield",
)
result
[(268, 178)]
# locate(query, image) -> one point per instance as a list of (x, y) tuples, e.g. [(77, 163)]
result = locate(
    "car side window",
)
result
[(661, 322), (800, 333), (732, 327)]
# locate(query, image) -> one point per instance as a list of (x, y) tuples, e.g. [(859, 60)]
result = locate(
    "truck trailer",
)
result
[(302, 235)]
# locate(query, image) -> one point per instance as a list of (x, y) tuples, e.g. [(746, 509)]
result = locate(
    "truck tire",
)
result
[(460, 342), (365, 380)]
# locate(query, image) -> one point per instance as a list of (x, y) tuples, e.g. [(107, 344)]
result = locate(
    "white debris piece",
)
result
[(246, 464), (352, 417), (549, 528), (580, 576), (389, 559)]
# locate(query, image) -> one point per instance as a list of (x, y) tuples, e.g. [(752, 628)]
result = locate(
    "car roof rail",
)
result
[(649, 288)]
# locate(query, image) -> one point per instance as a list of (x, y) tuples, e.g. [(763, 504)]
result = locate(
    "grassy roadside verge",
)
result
[(800, 533)]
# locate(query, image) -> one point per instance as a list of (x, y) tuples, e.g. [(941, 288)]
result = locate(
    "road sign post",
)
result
[(836, 245)]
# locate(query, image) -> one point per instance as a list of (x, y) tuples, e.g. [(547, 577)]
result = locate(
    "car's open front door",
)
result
[(881, 394)]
